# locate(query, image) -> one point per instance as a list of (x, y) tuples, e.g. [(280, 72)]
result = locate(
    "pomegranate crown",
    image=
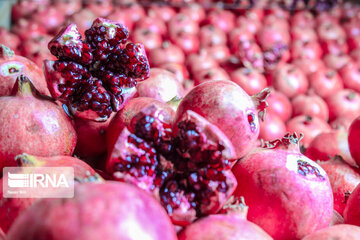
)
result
[(259, 100), (285, 142)]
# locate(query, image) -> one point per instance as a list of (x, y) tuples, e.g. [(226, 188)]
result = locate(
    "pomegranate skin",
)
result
[(274, 185), (343, 180), (12, 66), (272, 127), (345, 102), (221, 226), (354, 139), (352, 210), (313, 106), (104, 211), (29, 122), (161, 85), (279, 105), (218, 102), (11, 208), (338, 232)]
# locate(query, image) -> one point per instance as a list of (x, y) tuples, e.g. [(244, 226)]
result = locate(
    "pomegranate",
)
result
[(11, 208), (279, 105), (49, 17), (150, 39), (167, 53), (309, 126), (209, 75), (97, 76), (119, 16), (277, 177), (44, 219), (133, 11), (325, 82), (178, 69), (189, 43), (342, 122), (336, 46), (340, 232), (353, 139), (303, 19), (30, 120), (223, 19), (162, 11), (83, 19), (290, 80), (198, 62), (24, 8), (211, 35), (313, 106), (343, 180), (232, 225), (68, 7), (161, 85), (27, 29), (350, 74), (330, 144), (355, 54), (336, 61), (272, 127), (250, 55), (251, 25), (336, 219), (345, 102), (351, 211), (101, 8), (2, 235), (305, 49), (275, 56), (12, 66), (219, 53), (152, 24), (36, 50), (182, 23), (330, 31), (176, 163), (210, 97), (249, 80), (308, 66), (194, 10), (269, 35), (302, 34), (9, 39)]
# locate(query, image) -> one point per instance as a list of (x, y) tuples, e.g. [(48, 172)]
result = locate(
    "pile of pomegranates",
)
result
[(187, 120)]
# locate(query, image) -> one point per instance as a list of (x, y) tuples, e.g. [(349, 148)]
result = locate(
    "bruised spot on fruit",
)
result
[(304, 168), (33, 128)]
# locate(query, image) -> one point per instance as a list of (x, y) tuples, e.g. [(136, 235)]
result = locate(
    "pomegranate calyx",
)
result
[(6, 52), (174, 102), (23, 87), (259, 100), (289, 141), (236, 206), (26, 160)]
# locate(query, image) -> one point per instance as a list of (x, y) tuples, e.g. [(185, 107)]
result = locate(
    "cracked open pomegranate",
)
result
[(97, 75)]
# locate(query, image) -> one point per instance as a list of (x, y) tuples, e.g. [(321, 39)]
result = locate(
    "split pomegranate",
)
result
[(104, 211), (12, 66), (223, 97), (343, 180), (339, 232), (276, 179), (11, 208), (186, 166), (232, 225), (161, 85), (97, 76), (34, 124), (354, 139)]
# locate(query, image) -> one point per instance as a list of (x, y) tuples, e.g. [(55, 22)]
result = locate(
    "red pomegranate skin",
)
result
[(313, 106), (33, 124), (345, 102), (279, 105), (350, 74), (2, 235), (161, 85), (12, 66), (354, 139), (9, 39), (343, 180), (272, 127), (251, 81), (352, 211), (272, 183), (223, 226), (325, 82), (124, 116), (11, 208), (112, 210), (339, 232), (223, 98)]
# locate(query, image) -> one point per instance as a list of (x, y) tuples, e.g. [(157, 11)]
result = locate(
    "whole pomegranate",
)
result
[(28, 29), (83, 19), (167, 53), (178, 69), (150, 39), (34, 124), (115, 208), (12, 66), (351, 211), (189, 43), (231, 225), (272, 127), (161, 85), (223, 19), (275, 178), (342, 122), (119, 16), (161, 10), (354, 138), (101, 8), (336, 61), (309, 126), (36, 49), (250, 80), (11, 208), (220, 53), (211, 35), (345, 102), (206, 75), (152, 24), (198, 62), (50, 17), (340, 232), (67, 7), (290, 80), (325, 82), (279, 105), (224, 98), (194, 10), (308, 66), (185, 165), (343, 180), (182, 23), (310, 105), (350, 74), (9, 39), (96, 76)]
